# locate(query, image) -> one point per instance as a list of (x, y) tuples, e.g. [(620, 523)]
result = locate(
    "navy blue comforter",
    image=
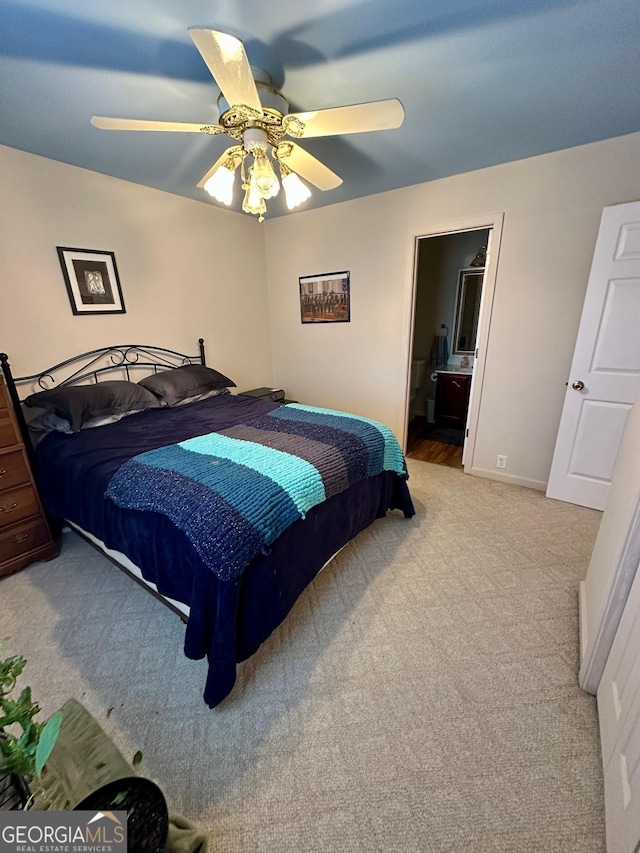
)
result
[(228, 618)]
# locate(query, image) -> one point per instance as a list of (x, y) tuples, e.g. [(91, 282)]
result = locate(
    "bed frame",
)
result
[(121, 361)]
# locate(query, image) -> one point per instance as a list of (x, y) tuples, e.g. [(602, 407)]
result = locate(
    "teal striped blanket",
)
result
[(234, 492)]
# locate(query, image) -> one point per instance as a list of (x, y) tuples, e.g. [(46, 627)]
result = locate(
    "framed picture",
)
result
[(92, 281), (325, 298)]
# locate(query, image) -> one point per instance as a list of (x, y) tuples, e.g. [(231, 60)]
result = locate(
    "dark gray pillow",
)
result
[(216, 392), (79, 404), (172, 386), (43, 420)]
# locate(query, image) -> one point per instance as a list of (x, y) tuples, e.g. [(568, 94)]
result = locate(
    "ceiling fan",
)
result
[(255, 114)]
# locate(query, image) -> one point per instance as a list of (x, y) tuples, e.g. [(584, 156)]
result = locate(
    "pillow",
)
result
[(42, 420), (104, 420), (172, 386), (215, 392), (79, 404)]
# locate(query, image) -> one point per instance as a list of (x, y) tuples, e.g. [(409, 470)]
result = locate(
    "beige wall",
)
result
[(187, 270), (172, 254), (552, 206)]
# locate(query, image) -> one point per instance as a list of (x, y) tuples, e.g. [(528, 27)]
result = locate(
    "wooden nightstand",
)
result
[(275, 394), (24, 532)]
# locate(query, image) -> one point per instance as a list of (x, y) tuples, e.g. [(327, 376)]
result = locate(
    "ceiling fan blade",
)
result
[(377, 115), (310, 168), (227, 61), (224, 156), (105, 123)]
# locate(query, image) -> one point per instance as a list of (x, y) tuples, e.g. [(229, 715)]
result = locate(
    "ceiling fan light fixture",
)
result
[(263, 175), (220, 184), (294, 190), (255, 114), (253, 201)]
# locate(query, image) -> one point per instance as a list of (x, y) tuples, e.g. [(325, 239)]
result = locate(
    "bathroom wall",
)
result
[(438, 263)]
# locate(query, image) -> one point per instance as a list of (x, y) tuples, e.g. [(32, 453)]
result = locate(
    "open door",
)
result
[(619, 714), (492, 223), (614, 560), (605, 373)]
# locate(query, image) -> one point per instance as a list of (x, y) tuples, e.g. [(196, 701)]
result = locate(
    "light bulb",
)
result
[(264, 176), (295, 191), (220, 184), (253, 201)]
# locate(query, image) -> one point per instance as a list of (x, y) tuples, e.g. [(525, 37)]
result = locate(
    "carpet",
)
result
[(421, 697), (447, 435)]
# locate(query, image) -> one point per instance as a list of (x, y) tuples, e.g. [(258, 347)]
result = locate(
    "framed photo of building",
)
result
[(325, 298), (92, 281)]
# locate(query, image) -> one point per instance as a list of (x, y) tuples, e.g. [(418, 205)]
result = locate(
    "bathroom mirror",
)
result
[(467, 310)]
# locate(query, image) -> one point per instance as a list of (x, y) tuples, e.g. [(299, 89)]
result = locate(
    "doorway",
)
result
[(453, 284)]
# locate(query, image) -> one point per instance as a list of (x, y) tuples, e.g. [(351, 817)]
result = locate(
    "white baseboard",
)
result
[(514, 480)]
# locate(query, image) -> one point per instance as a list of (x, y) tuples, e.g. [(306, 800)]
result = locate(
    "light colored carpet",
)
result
[(422, 695)]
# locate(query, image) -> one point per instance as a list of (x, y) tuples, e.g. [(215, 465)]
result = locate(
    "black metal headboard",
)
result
[(119, 361)]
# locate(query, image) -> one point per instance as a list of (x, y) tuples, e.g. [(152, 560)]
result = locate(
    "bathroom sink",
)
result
[(453, 368)]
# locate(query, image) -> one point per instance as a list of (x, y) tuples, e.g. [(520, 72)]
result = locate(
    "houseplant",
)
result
[(25, 743)]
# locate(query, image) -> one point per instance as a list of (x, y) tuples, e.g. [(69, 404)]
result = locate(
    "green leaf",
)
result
[(21, 710), (48, 737), (137, 758), (10, 669), (16, 759)]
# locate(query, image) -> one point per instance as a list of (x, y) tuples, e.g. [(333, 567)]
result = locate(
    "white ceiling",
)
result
[(482, 81)]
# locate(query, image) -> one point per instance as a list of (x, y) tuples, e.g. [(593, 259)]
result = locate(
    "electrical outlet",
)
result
[(501, 461)]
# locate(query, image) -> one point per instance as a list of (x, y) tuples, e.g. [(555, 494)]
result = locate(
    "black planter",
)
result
[(144, 802), (14, 792)]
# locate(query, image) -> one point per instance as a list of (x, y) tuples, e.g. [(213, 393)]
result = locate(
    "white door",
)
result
[(605, 374), (614, 559), (619, 713)]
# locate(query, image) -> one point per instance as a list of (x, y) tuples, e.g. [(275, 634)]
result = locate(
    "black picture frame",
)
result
[(325, 298), (92, 281)]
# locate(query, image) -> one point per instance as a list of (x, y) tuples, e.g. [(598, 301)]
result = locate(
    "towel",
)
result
[(439, 351)]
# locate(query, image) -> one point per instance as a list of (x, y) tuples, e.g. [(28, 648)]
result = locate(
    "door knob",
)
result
[(578, 385)]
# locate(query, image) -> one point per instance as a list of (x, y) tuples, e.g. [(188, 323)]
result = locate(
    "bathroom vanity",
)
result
[(453, 383), (453, 386)]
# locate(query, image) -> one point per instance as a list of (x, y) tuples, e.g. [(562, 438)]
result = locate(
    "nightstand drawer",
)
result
[(16, 504), (13, 470), (7, 432), (22, 538)]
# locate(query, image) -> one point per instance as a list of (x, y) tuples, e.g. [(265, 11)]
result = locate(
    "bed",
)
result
[(226, 505)]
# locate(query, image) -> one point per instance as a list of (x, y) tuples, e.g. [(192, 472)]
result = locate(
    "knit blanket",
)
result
[(234, 492)]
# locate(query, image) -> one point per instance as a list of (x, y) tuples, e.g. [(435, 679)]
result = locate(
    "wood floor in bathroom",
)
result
[(431, 451)]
